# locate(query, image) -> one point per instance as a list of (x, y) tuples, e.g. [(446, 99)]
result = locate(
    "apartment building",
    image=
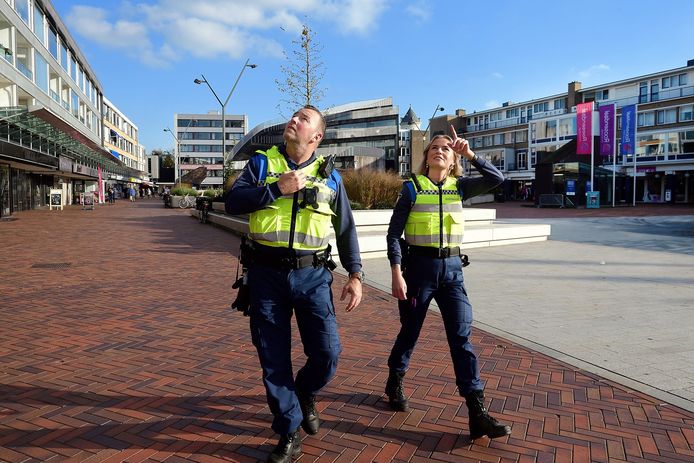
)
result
[(121, 137), (50, 105), (201, 140), (360, 134), (518, 136)]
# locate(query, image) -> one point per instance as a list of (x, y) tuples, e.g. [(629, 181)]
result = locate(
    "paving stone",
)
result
[(131, 353)]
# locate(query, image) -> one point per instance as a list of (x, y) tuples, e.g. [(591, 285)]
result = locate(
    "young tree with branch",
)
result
[(303, 74)]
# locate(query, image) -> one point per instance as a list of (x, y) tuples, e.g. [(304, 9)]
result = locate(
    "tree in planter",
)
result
[(302, 75), (168, 161)]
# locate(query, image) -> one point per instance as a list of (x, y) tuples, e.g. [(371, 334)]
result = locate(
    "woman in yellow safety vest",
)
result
[(427, 265)]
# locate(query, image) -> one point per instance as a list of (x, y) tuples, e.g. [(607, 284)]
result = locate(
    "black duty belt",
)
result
[(316, 259), (441, 253)]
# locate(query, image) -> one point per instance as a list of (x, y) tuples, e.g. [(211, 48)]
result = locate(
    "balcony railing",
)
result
[(25, 70), (669, 94), (496, 124)]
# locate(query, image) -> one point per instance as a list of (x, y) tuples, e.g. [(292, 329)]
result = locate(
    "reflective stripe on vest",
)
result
[(272, 225), (436, 218)]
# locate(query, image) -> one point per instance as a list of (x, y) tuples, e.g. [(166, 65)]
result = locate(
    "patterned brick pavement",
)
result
[(117, 344)]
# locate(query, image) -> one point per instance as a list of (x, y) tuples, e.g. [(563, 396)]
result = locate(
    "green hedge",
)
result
[(182, 191)]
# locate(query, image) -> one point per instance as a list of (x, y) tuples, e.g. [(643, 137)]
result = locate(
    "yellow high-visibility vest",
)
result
[(436, 218), (272, 225)]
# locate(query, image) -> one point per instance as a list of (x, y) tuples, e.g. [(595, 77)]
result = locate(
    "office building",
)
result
[(360, 134), (200, 138)]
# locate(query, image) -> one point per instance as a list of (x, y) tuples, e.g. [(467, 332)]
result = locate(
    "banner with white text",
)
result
[(607, 115), (627, 145), (584, 128)]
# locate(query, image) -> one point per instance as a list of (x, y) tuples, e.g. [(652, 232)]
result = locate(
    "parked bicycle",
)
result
[(186, 202)]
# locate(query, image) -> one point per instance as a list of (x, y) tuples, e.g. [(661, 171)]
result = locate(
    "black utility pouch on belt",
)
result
[(243, 297)]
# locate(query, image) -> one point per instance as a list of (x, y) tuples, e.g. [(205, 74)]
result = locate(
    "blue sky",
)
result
[(424, 53)]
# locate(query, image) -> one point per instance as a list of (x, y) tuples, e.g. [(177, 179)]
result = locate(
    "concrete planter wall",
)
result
[(481, 229), (176, 201)]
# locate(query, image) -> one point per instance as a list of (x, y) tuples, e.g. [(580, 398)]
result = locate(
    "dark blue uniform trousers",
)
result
[(430, 278), (275, 295)]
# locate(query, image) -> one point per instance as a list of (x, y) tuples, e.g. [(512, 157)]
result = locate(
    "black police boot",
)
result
[(311, 421), (395, 392), (287, 448), (481, 424)]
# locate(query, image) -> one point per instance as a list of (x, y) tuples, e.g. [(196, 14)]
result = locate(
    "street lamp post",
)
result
[(438, 108), (177, 172), (223, 105)]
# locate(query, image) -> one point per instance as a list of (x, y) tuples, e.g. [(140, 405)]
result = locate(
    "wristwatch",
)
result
[(358, 275)]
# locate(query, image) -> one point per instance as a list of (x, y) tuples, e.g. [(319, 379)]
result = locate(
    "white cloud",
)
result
[(593, 71), (211, 28), (352, 16), (491, 104), (497, 75), (420, 9)]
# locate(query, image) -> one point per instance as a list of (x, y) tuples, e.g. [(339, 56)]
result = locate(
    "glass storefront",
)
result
[(28, 191), (4, 190)]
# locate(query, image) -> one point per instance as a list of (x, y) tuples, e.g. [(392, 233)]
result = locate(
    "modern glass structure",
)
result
[(360, 134)]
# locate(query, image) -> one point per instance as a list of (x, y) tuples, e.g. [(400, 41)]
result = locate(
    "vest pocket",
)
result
[(419, 229), (454, 226), (312, 229), (265, 224)]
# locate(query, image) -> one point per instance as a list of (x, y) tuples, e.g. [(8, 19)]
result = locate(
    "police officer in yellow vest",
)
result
[(430, 213), (293, 198)]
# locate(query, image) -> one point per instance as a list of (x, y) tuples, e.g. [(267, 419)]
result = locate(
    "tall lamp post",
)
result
[(177, 172), (438, 108), (223, 105)]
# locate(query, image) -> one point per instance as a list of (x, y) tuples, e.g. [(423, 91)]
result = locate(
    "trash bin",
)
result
[(592, 200)]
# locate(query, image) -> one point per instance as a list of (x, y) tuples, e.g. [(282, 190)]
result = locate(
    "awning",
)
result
[(46, 127)]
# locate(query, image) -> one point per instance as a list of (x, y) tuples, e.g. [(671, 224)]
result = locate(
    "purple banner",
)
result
[(584, 128), (607, 115), (628, 141)]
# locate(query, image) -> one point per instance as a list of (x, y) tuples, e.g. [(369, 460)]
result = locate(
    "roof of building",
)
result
[(410, 117)]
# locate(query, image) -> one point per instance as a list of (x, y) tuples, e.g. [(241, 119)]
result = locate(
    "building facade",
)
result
[(121, 137), (50, 106), (363, 134), (201, 140), (517, 136)]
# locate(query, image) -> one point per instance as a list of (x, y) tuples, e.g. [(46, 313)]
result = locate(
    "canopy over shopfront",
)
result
[(45, 133)]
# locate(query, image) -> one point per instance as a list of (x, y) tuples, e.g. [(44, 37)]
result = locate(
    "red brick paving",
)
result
[(130, 353)]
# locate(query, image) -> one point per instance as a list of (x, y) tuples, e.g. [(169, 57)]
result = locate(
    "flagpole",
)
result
[(636, 122), (592, 149), (614, 153)]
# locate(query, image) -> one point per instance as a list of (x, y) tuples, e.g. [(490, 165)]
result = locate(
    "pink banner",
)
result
[(584, 127), (101, 185)]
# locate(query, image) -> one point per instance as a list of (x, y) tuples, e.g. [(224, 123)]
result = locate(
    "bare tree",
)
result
[(302, 75)]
